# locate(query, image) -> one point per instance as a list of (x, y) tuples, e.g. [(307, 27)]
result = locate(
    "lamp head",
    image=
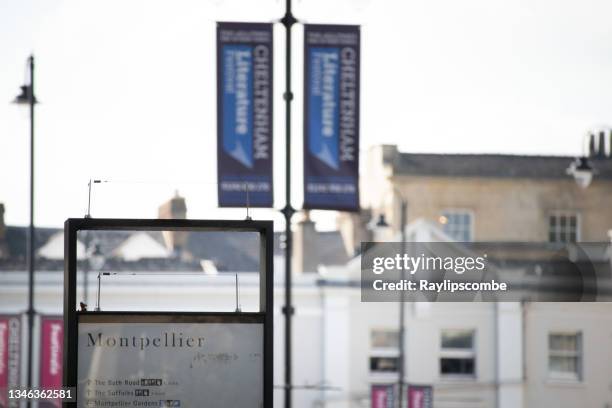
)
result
[(382, 222), (582, 170), (96, 258), (26, 96)]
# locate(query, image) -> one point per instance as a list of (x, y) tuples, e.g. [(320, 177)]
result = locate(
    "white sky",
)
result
[(128, 90)]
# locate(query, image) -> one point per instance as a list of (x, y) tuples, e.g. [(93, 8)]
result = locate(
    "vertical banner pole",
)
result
[(31, 238), (288, 20)]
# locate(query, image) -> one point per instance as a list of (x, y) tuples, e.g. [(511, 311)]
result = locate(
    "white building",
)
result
[(474, 354)]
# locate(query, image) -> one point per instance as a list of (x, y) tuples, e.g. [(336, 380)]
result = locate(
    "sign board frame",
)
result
[(72, 317)]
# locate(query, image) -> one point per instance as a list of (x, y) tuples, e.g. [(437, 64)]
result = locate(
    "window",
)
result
[(563, 227), (564, 356), (457, 356), (384, 351), (384, 339), (384, 364), (458, 224)]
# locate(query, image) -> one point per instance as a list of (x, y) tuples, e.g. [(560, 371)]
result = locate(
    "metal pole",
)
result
[(97, 309), (31, 237), (402, 309), (288, 20), (86, 266)]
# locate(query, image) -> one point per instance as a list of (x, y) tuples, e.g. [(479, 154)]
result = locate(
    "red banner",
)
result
[(4, 340), (382, 396), (51, 355), (420, 396), (10, 342)]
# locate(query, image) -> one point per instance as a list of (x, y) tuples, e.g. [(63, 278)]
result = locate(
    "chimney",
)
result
[(390, 154), (175, 208), (4, 253), (602, 145), (304, 246), (591, 145), (353, 230)]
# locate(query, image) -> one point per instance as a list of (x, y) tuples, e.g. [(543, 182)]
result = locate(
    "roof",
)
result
[(54, 248), (493, 165), (144, 250), (141, 245), (229, 250), (330, 248), (16, 238)]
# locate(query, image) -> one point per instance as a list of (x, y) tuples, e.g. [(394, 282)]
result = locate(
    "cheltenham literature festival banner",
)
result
[(331, 117), (244, 114)]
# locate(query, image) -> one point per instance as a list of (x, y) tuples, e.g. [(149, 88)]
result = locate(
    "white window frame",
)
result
[(460, 211), (578, 354), (384, 352), (383, 374), (383, 329), (458, 353), (563, 213)]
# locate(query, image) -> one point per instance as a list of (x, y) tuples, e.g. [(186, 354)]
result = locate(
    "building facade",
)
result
[(474, 355), (502, 198)]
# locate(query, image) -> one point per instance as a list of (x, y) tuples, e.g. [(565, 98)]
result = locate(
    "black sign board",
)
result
[(172, 359)]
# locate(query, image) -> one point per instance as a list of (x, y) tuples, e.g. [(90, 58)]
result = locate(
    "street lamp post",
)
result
[(86, 266), (27, 97), (96, 262), (402, 307), (288, 21)]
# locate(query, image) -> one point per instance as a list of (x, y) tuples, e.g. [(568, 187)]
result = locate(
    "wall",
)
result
[(594, 320), (424, 324), (332, 339), (505, 209), (510, 209)]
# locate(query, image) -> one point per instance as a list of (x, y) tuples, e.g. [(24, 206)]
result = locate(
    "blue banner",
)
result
[(331, 117), (244, 114)]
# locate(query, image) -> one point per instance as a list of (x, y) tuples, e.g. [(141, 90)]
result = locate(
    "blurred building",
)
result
[(216, 257), (530, 354), (475, 355), (487, 197)]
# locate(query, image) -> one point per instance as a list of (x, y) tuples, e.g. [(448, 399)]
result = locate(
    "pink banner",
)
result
[(10, 342), (420, 396), (4, 349), (51, 355), (382, 396)]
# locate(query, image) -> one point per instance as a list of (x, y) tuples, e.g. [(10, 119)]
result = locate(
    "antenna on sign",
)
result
[(88, 214), (237, 296), (97, 309), (89, 187), (248, 201)]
